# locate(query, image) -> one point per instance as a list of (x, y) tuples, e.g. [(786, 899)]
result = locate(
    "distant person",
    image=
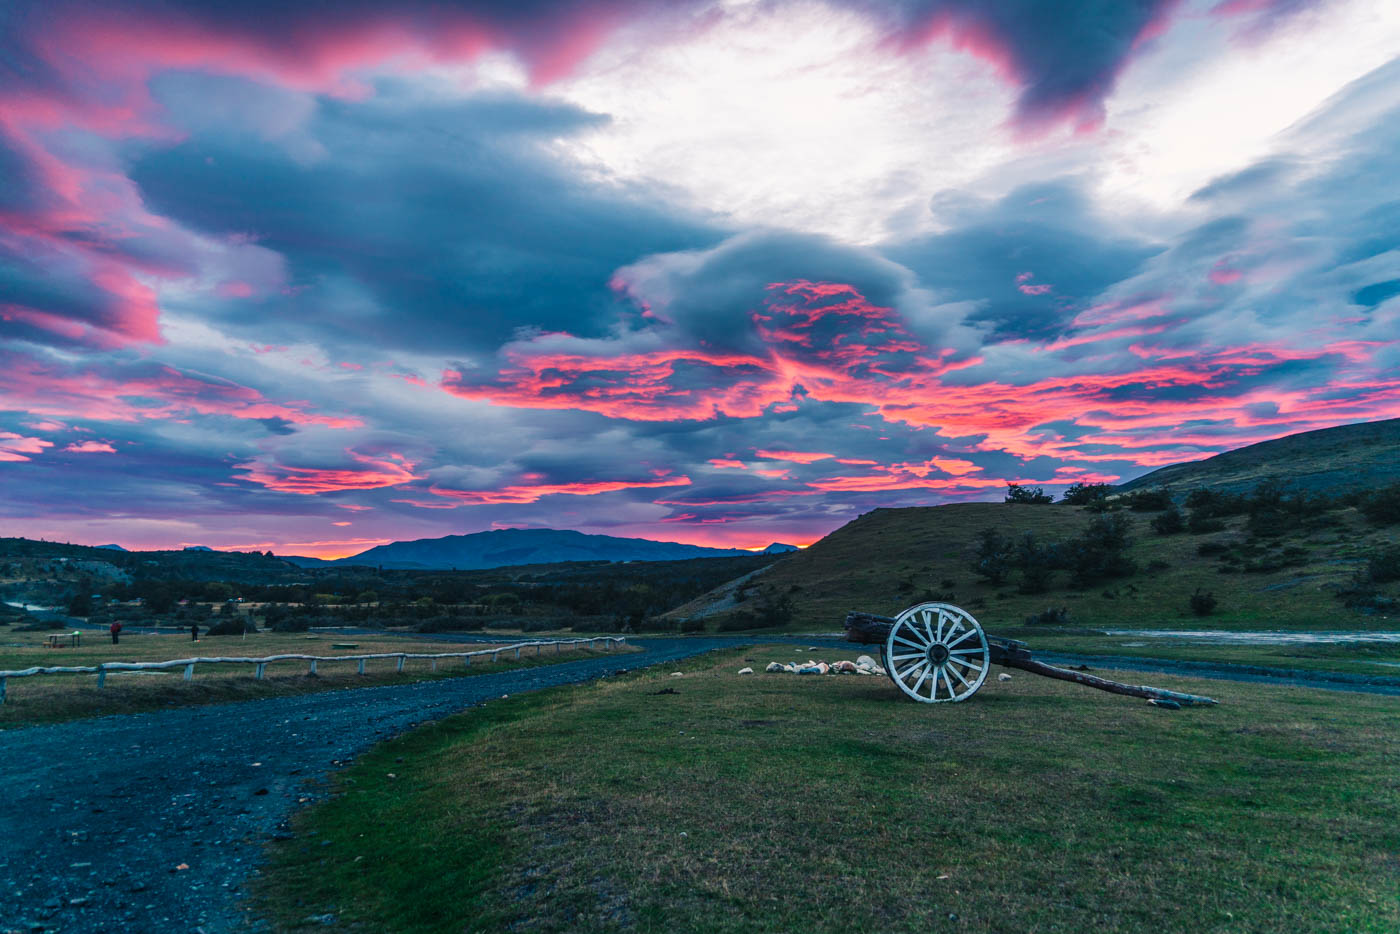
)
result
[(194, 632), (116, 630)]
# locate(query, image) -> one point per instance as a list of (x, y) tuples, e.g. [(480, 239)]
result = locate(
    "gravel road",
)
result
[(153, 822)]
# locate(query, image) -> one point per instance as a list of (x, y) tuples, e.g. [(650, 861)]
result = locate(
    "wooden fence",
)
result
[(260, 664)]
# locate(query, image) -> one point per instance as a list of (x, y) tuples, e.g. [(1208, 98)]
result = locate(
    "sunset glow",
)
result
[(722, 273)]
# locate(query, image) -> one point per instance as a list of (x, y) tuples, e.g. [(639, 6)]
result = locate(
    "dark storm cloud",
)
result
[(421, 224), (1028, 262)]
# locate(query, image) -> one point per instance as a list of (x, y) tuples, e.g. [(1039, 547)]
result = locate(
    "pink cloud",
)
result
[(91, 447), (376, 472), (15, 447)]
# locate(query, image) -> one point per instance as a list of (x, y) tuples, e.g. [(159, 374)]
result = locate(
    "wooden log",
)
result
[(1103, 684)]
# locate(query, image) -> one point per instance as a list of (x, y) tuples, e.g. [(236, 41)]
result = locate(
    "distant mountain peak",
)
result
[(780, 548), (494, 548), (112, 547)]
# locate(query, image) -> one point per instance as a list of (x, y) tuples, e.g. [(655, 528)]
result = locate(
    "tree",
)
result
[(1034, 495), (1169, 522), (1101, 551), (81, 604), (1082, 494)]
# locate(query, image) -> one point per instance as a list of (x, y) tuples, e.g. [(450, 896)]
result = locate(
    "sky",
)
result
[(305, 278)]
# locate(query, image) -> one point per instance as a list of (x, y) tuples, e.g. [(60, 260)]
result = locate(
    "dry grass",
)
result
[(50, 698), (776, 803), (886, 560)]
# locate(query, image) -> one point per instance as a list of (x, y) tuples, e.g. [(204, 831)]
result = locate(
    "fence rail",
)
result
[(260, 664)]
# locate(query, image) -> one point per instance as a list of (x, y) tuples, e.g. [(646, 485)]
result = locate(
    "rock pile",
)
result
[(864, 665)]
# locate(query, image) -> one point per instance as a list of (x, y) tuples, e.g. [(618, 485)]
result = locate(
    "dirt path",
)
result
[(99, 816)]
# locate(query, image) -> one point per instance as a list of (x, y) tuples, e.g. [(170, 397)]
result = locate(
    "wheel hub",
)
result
[(937, 654)]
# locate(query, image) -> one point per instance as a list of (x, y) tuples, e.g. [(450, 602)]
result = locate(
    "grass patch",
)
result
[(54, 698), (775, 803)]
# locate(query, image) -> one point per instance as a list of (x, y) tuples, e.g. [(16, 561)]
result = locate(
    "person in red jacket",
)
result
[(116, 630)]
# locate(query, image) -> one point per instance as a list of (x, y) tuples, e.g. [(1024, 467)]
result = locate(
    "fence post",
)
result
[(435, 664), (189, 672), (2, 689), (259, 672), (401, 661), (517, 654), (466, 661), (101, 675), (362, 666), (312, 671)]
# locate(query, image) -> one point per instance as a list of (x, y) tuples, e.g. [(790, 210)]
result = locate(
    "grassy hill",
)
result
[(892, 558), (1350, 457)]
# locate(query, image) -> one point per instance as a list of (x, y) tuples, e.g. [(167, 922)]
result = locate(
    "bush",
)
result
[(1101, 551), (693, 624), (993, 558), (1051, 616), (1149, 500), (1033, 495), (1082, 494), (767, 612), (1202, 604), (291, 624), (1383, 506), (1202, 522), (1384, 565), (1206, 549), (1170, 522), (235, 624)]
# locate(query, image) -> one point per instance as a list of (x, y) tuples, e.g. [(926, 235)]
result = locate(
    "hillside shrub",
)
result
[(994, 556), (693, 624), (1149, 500), (1082, 494), (1207, 549), (1050, 616), (1383, 506), (1384, 565), (1031, 495), (1202, 603), (1169, 522), (1203, 522), (1101, 551)]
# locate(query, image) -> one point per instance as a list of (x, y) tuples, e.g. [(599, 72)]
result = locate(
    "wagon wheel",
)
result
[(936, 653)]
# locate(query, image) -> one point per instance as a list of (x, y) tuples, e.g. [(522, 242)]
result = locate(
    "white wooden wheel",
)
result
[(937, 652)]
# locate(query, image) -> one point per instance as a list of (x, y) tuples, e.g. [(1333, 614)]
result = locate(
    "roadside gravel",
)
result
[(154, 822)]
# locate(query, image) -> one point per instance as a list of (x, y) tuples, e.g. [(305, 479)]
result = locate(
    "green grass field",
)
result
[(52, 698), (781, 803)]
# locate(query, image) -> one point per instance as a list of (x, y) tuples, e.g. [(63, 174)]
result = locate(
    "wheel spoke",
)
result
[(919, 683), (958, 674), (942, 620), (970, 665), (928, 628), (976, 651), (903, 675), (900, 658), (962, 638), (915, 645)]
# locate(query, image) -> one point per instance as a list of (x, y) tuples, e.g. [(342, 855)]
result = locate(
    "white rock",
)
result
[(865, 661), (775, 666), (1003, 677), (745, 671), (677, 674)]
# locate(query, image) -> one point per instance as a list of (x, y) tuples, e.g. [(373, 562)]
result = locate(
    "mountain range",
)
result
[(501, 547)]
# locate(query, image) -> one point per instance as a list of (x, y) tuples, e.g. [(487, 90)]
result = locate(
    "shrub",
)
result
[(1036, 578), (1206, 549), (291, 624), (1051, 616), (1384, 565), (1202, 522), (1202, 604), (1082, 494), (1383, 506), (993, 558), (1101, 551), (1149, 500), (1169, 522), (232, 624), (693, 624), (1033, 495)]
